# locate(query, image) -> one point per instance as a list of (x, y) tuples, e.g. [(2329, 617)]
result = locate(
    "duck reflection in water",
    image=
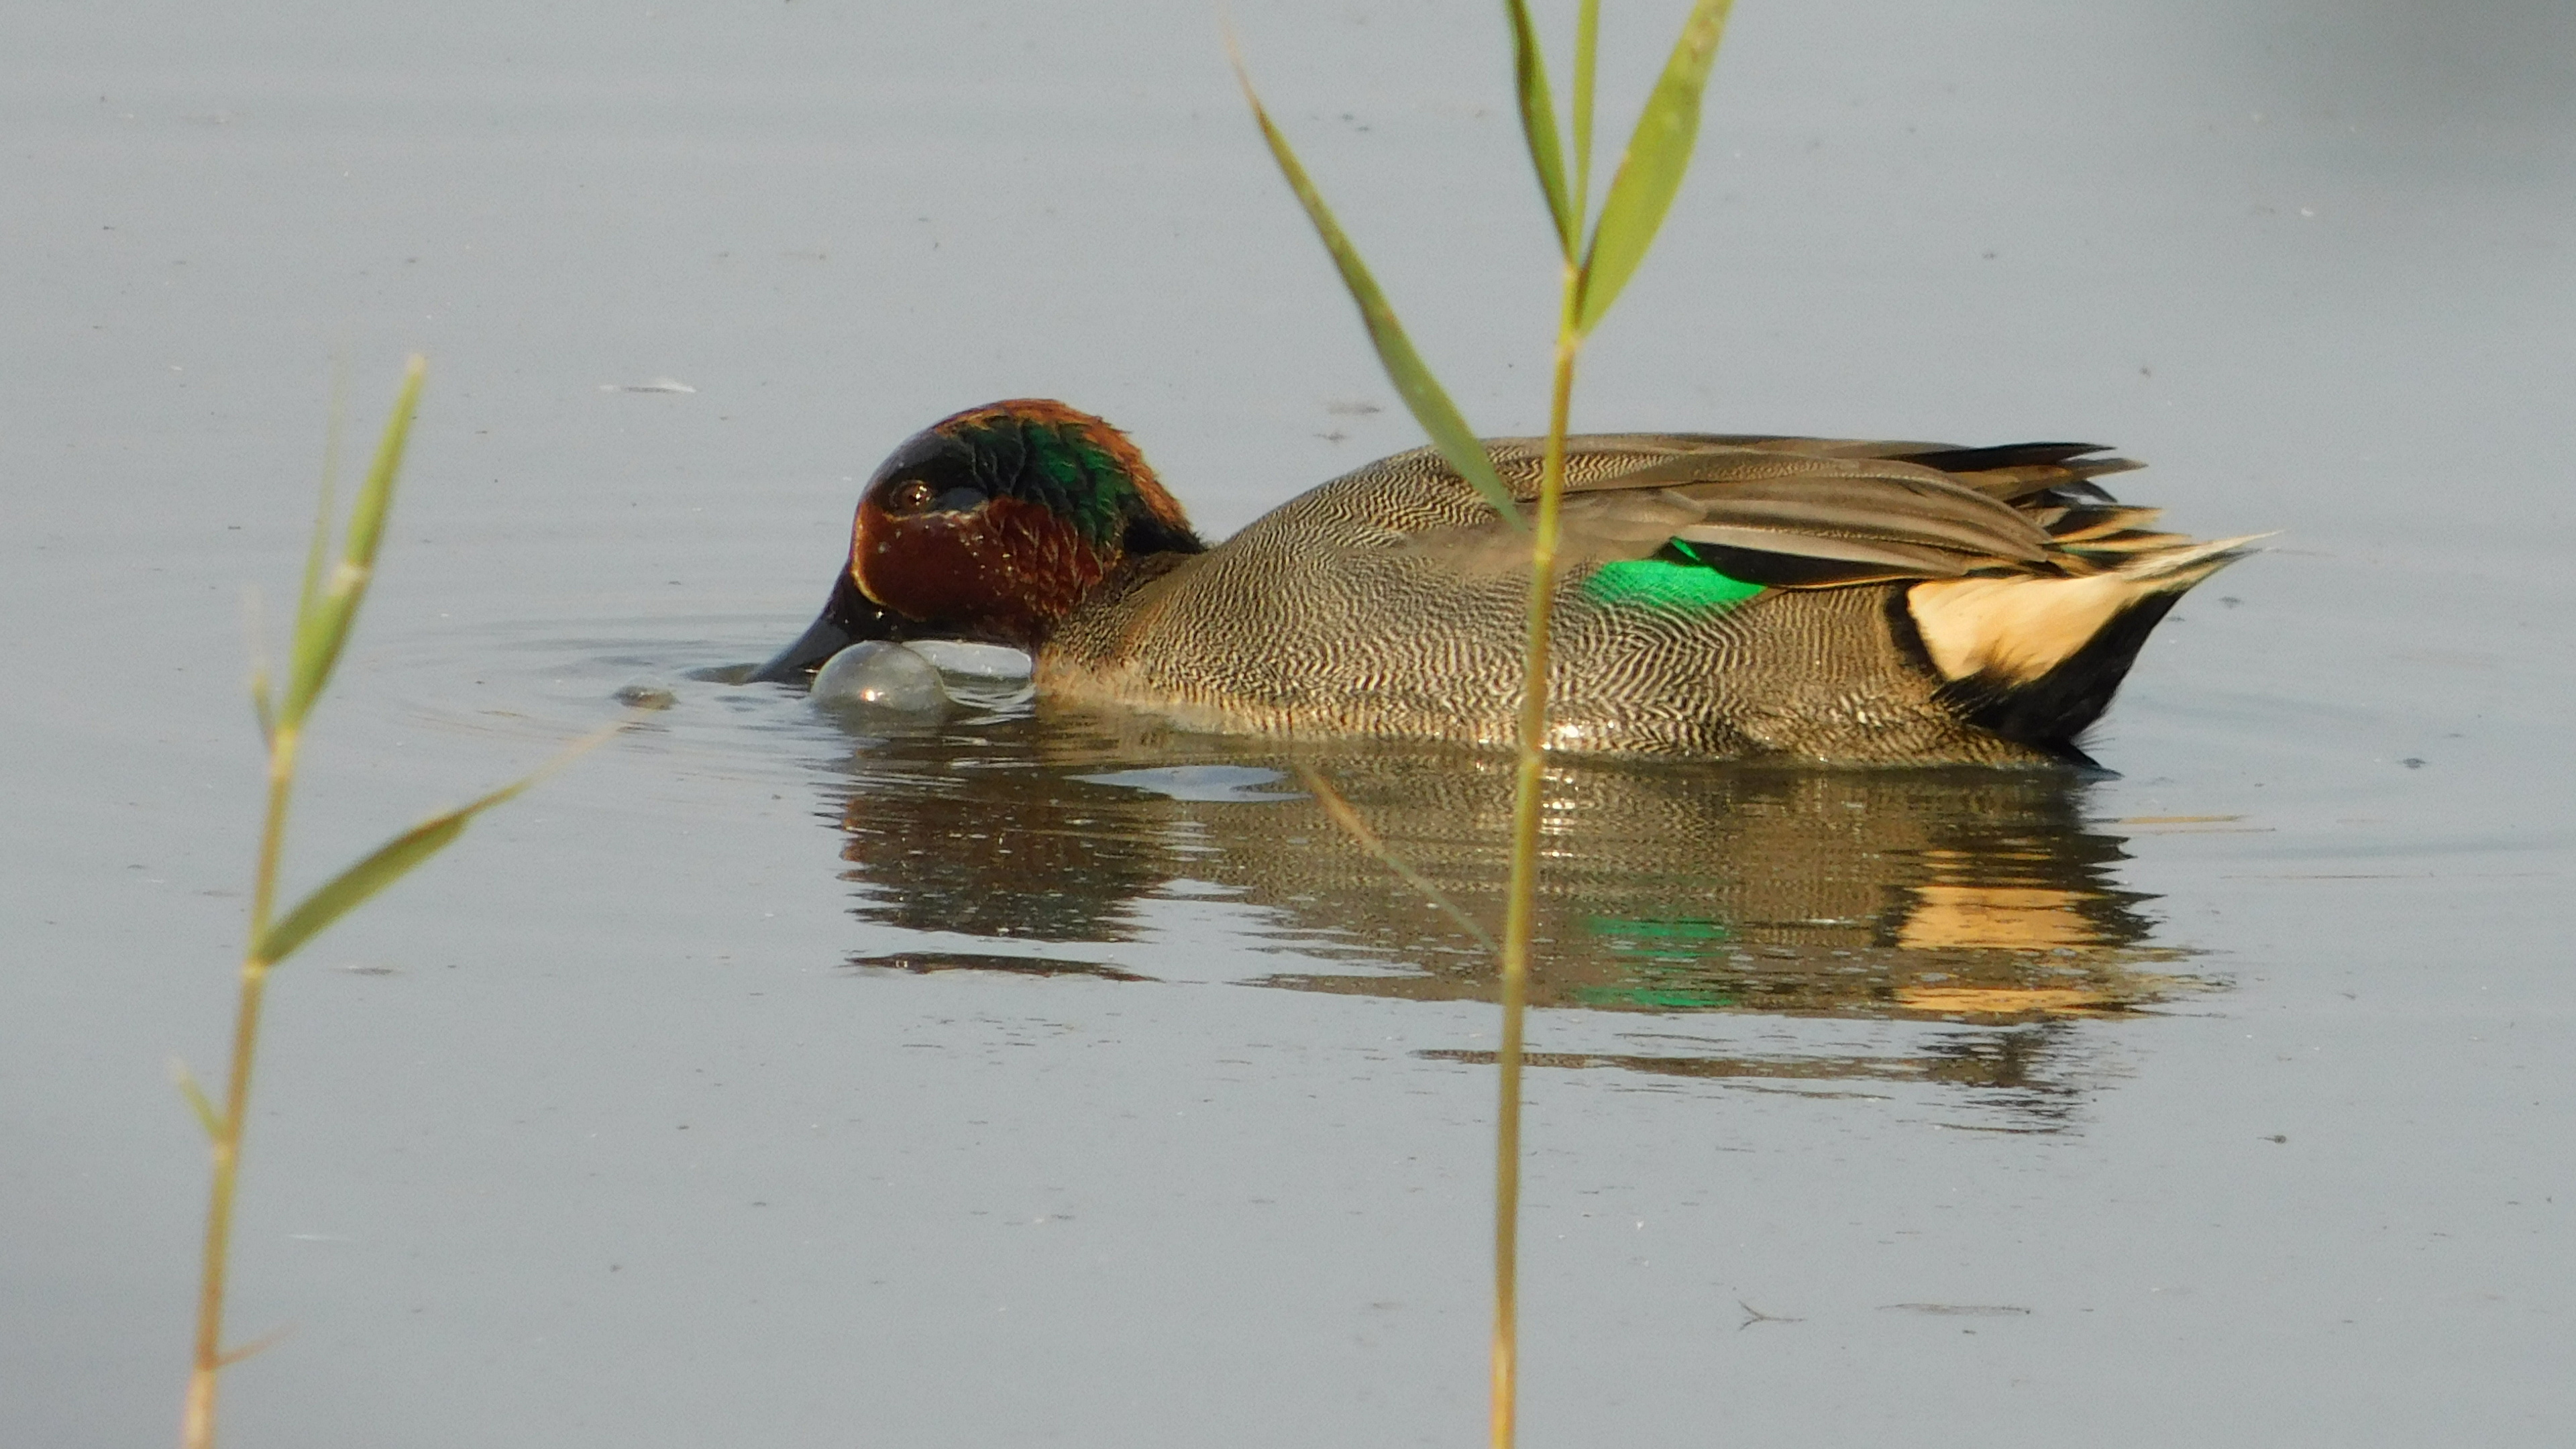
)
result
[(1978, 898)]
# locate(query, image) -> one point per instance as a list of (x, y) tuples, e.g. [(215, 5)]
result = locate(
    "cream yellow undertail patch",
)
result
[(2016, 629)]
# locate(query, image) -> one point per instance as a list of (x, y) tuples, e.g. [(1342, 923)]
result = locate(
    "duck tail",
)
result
[(2036, 658)]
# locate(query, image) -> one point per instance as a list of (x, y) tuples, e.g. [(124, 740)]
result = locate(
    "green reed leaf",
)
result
[(344, 892), (1650, 173), (261, 709), (198, 1101), (318, 552), (259, 1345), (263, 686), (1587, 47), (1538, 126), (1404, 366), (397, 857), (330, 604)]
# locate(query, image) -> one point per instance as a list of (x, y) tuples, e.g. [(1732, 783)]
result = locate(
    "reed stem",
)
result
[(197, 1421), (1521, 919)]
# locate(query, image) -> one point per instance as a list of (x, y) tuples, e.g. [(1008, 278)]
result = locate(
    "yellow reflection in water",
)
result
[(1981, 896), (2014, 1001)]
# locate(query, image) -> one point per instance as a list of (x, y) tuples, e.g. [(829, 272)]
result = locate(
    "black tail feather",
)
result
[(2051, 711)]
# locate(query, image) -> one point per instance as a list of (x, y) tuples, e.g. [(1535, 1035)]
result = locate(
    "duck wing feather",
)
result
[(1821, 512), (1875, 517)]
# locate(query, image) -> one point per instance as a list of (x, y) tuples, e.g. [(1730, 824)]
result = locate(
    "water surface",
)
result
[(774, 1077)]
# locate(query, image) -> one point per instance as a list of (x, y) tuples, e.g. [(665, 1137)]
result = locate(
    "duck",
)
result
[(1719, 595)]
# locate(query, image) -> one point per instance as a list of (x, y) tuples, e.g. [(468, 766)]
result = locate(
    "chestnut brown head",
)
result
[(991, 525)]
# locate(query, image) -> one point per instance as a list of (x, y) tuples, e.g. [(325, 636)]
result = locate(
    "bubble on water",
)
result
[(879, 675), (647, 694), (974, 661)]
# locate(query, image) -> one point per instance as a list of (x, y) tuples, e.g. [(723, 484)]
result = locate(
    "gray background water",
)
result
[(588, 1136)]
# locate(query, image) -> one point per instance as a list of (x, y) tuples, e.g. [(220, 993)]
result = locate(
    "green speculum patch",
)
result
[(1677, 581)]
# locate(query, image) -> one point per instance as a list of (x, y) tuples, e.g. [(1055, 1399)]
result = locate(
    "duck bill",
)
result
[(847, 618)]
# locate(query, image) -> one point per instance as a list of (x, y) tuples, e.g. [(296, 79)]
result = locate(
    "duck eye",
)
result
[(910, 496)]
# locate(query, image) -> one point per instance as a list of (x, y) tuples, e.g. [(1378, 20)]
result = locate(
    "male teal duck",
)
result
[(1721, 595)]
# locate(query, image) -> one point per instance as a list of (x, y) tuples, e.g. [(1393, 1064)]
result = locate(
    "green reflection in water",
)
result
[(1979, 898)]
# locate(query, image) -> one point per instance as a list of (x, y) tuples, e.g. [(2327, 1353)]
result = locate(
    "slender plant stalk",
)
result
[(326, 611), (1520, 920), (198, 1420), (1597, 269)]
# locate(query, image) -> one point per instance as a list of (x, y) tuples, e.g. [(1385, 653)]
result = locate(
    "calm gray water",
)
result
[(772, 1078)]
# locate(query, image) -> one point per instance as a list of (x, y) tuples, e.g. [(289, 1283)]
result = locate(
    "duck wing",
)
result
[(1820, 512)]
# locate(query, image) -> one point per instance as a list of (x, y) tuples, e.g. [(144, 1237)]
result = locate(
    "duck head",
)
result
[(990, 525)]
